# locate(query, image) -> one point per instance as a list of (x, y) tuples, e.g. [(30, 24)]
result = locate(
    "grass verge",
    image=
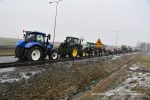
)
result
[(7, 52)]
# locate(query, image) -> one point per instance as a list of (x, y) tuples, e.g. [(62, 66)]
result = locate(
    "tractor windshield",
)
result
[(69, 39), (72, 40), (90, 45), (30, 37), (40, 38)]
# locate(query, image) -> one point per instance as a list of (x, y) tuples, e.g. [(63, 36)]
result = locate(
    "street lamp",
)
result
[(57, 3)]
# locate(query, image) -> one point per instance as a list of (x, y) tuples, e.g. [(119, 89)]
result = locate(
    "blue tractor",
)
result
[(35, 47)]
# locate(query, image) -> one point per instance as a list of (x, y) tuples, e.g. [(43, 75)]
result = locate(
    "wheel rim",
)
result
[(84, 54), (36, 55), (75, 52), (54, 56)]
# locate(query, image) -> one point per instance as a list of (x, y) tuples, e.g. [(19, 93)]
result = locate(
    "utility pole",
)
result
[(57, 3), (117, 38)]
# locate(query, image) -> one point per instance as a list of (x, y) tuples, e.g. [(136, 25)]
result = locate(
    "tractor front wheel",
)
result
[(53, 55), (35, 54), (83, 54)]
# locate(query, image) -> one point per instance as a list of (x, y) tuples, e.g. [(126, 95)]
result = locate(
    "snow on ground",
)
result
[(132, 53), (11, 75), (4, 70), (134, 67), (116, 57), (125, 88), (27, 75), (9, 80)]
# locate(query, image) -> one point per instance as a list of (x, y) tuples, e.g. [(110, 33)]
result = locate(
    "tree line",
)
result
[(143, 46)]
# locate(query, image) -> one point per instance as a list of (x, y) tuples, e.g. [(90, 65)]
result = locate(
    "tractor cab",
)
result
[(35, 37), (90, 45), (72, 40)]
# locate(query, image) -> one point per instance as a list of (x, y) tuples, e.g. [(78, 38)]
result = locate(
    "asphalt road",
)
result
[(5, 59)]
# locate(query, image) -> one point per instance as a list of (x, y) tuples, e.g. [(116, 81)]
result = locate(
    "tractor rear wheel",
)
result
[(73, 52), (19, 52), (35, 54)]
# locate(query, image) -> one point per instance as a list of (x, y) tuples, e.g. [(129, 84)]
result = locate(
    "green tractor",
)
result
[(90, 48), (72, 47)]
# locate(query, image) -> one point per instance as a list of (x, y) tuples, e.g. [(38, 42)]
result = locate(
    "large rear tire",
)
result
[(19, 53), (73, 52), (35, 54)]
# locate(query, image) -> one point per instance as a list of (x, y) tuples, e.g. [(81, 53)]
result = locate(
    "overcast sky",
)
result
[(91, 19)]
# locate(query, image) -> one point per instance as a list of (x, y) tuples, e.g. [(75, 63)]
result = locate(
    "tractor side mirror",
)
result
[(24, 35), (81, 40), (49, 36)]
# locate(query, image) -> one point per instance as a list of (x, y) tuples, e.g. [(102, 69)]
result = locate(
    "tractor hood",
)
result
[(24, 44), (20, 43)]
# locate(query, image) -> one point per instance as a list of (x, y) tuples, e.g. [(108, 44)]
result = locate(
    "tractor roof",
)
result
[(34, 32), (90, 43), (72, 37)]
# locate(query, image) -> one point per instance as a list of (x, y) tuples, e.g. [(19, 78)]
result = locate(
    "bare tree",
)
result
[(143, 46)]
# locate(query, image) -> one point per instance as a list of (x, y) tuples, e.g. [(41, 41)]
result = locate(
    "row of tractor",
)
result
[(36, 46)]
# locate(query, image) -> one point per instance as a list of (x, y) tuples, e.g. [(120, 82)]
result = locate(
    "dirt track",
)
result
[(64, 80)]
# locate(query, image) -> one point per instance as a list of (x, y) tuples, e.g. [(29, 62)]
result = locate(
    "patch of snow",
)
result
[(34, 73), (133, 80), (134, 67), (145, 80), (4, 70), (131, 53), (115, 57), (17, 76), (27, 75), (9, 80), (24, 76), (124, 66)]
